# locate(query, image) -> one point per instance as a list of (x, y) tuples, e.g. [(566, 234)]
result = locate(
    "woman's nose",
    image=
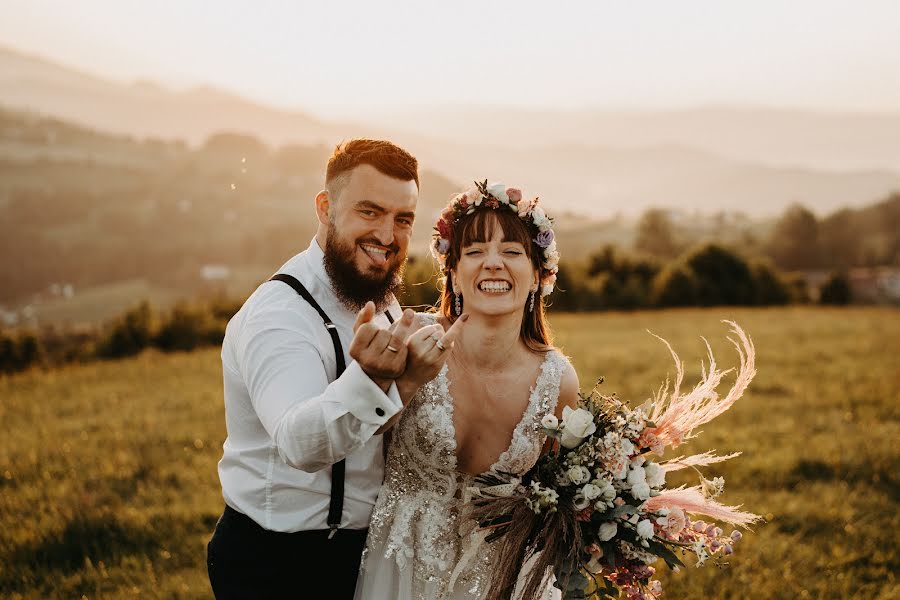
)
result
[(493, 260)]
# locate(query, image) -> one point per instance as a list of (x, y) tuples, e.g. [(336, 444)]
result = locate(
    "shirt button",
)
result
[(379, 411)]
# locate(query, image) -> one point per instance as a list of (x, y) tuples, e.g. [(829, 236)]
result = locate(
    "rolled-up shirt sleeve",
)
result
[(313, 423)]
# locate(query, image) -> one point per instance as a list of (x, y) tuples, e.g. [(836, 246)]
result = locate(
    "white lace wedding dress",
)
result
[(420, 546)]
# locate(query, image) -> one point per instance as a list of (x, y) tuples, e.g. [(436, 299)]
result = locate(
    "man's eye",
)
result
[(406, 222), (368, 213)]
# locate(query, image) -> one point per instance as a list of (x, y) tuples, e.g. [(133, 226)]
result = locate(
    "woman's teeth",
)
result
[(494, 287)]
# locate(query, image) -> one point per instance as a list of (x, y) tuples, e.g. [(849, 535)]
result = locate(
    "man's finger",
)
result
[(381, 341), (452, 333), (365, 315), (363, 336), (404, 325)]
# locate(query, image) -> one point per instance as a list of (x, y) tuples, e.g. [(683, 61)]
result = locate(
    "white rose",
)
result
[(607, 531), (577, 425), (645, 529), (546, 289), (636, 475), (580, 502), (590, 491), (552, 260), (607, 490), (579, 474), (641, 491), (541, 220), (550, 422), (656, 476), (626, 447), (498, 191)]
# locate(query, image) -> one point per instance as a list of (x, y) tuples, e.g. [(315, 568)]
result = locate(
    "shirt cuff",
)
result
[(365, 400)]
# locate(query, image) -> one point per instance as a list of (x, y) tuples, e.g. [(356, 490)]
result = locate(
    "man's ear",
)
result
[(323, 204)]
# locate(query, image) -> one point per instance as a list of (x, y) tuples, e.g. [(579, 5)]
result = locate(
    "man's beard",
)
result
[(352, 287)]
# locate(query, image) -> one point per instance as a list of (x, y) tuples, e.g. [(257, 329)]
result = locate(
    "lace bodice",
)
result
[(417, 519)]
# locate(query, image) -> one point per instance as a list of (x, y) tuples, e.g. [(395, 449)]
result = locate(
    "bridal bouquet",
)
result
[(597, 508)]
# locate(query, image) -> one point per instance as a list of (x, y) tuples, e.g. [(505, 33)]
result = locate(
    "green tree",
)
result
[(675, 285), (129, 334), (656, 235), (836, 291), (768, 286), (723, 277), (794, 243)]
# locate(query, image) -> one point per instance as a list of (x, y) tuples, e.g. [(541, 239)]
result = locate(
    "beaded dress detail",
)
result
[(417, 534)]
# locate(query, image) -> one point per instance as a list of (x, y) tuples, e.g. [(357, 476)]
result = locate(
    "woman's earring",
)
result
[(458, 304), (531, 303)]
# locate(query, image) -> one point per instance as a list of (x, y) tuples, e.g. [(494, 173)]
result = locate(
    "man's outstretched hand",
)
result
[(380, 352)]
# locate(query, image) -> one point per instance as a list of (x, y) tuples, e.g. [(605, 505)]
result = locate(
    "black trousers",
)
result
[(246, 561)]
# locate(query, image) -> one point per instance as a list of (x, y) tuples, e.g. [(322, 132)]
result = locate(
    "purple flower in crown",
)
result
[(544, 238)]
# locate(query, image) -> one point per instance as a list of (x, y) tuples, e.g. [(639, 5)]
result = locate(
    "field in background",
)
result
[(108, 484)]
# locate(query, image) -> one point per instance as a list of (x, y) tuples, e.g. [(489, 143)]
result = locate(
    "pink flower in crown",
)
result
[(444, 228), (514, 195), (523, 206), (492, 203), (463, 201), (447, 215)]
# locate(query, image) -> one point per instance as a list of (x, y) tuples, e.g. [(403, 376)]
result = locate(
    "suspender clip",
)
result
[(333, 531)]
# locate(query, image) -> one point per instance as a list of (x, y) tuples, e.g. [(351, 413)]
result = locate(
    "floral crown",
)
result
[(496, 196)]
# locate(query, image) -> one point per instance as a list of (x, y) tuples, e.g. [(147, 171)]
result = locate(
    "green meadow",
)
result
[(108, 484)]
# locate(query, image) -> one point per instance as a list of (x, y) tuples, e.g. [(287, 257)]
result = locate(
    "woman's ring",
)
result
[(392, 349), (440, 345)]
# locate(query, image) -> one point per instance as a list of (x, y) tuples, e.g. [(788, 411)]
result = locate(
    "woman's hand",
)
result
[(427, 350)]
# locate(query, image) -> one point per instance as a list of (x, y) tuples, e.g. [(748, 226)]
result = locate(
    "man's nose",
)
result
[(385, 232)]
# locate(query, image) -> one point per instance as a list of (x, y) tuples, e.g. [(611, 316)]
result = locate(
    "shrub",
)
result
[(836, 290)]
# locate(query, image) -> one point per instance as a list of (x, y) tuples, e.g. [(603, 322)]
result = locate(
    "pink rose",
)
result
[(514, 195), (444, 228), (523, 206), (676, 522), (648, 439)]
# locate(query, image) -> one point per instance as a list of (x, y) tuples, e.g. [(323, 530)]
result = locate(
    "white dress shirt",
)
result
[(286, 423)]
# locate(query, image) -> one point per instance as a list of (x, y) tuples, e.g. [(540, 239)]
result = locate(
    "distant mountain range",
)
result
[(754, 161)]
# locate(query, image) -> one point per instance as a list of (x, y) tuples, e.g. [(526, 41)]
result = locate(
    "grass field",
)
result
[(108, 485)]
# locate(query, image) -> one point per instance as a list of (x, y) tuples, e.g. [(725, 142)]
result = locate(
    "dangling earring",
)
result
[(531, 303), (458, 304)]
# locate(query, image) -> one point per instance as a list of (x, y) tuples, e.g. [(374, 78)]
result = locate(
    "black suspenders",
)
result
[(336, 505)]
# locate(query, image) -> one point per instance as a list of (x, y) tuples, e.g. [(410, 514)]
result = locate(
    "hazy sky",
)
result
[(347, 58)]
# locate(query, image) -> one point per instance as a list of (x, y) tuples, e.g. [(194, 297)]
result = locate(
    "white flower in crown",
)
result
[(498, 191)]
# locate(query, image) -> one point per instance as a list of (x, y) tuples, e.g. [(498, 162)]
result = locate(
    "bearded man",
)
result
[(302, 462)]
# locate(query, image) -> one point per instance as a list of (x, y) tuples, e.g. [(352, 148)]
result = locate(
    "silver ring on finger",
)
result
[(439, 343), (392, 349)]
